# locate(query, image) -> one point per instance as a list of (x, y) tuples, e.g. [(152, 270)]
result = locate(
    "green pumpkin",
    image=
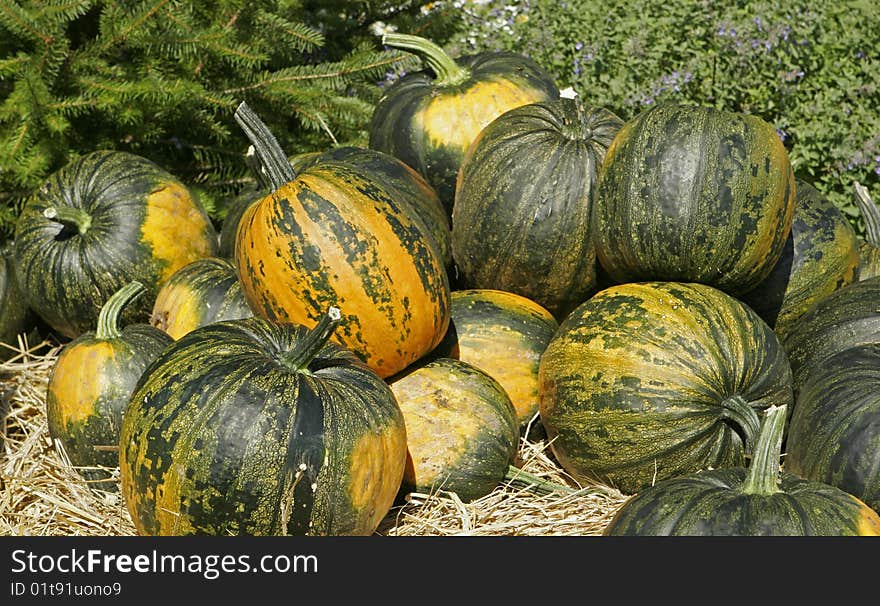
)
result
[(16, 316), (834, 435), (820, 257), (105, 219), (759, 501), (694, 194), (251, 427), (646, 381), (521, 218), (846, 318), (229, 227), (429, 118), (204, 291), (461, 429), (91, 383)]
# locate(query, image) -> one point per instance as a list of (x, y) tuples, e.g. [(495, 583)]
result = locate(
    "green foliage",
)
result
[(811, 68), (162, 79)]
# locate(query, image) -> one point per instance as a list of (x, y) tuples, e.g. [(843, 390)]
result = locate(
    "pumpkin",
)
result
[(429, 118), (461, 429), (15, 315), (251, 427), (334, 236), (521, 218), (760, 500), (105, 219), (834, 435), (503, 334), (644, 381), (820, 257), (406, 185), (204, 291), (694, 194), (91, 383), (846, 318), (869, 248), (229, 227)]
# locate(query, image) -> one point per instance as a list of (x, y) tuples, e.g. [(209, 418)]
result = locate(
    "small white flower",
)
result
[(567, 93)]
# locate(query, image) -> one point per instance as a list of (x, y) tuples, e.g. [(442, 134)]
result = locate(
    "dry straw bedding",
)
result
[(41, 494)]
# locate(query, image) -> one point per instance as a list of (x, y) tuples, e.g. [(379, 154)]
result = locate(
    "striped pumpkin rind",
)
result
[(229, 228), (503, 334), (429, 123), (521, 218), (145, 225), (16, 316), (869, 260), (846, 318), (461, 429), (821, 256), (332, 237), (646, 381), (694, 194), (222, 438), (834, 435), (204, 291)]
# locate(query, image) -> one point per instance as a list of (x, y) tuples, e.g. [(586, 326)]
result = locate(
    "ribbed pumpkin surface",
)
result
[(143, 225), (869, 261), (221, 437), (845, 318), (651, 380), (821, 256), (834, 435), (504, 335), (429, 121), (461, 428), (521, 219), (694, 194), (199, 293), (16, 316)]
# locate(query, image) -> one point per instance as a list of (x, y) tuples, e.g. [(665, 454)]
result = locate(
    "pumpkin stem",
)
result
[(870, 213), (108, 318), (267, 149), (763, 474), (447, 71), (252, 159), (69, 216), (304, 352), (743, 416)]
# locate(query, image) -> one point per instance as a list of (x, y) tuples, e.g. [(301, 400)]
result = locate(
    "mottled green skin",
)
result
[(694, 194), (132, 351), (834, 435), (712, 503), (15, 315), (820, 257), (846, 318), (395, 129), (229, 227), (637, 383), (523, 203), (404, 183), (869, 260), (221, 414), (67, 276), (479, 425)]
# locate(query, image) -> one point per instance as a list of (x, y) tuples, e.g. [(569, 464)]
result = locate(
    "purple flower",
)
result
[(721, 31), (578, 46), (877, 169), (782, 134)]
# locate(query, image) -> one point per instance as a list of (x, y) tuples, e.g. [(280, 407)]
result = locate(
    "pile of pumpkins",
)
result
[(660, 297)]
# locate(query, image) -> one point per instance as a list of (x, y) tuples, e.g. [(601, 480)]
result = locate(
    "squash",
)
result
[(229, 227), (429, 118), (105, 219), (16, 316), (759, 501), (503, 334), (869, 248), (646, 381), (694, 194), (204, 291), (461, 429), (820, 257), (251, 427), (846, 318), (91, 383), (834, 435), (334, 236), (523, 200)]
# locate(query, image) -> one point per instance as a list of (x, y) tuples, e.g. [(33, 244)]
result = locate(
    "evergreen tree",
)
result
[(162, 79)]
